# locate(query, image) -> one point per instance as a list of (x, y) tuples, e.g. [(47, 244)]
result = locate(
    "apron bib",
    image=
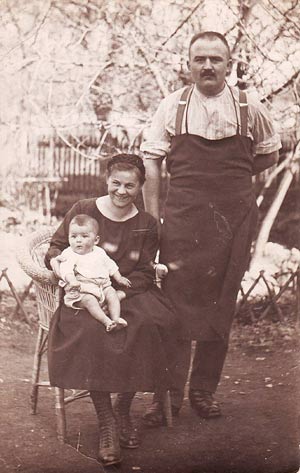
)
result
[(209, 223)]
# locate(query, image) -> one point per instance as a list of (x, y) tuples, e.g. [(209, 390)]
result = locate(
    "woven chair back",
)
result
[(31, 258)]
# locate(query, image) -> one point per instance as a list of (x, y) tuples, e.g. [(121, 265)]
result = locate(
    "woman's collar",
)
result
[(104, 209)]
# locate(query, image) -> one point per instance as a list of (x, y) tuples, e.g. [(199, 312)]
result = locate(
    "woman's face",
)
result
[(123, 187)]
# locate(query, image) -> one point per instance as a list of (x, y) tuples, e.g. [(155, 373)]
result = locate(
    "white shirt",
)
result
[(213, 118), (96, 264)]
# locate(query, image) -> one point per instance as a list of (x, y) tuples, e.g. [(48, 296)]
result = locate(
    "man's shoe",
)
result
[(175, 411), (204, 404), (155, 417)]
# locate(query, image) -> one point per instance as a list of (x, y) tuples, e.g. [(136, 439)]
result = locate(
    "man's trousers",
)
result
[(206, 367)]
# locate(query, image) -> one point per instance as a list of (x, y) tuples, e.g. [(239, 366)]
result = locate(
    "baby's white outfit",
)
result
[(93, 270)]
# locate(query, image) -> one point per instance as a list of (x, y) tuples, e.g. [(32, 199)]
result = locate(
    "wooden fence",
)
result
[(62, 170)]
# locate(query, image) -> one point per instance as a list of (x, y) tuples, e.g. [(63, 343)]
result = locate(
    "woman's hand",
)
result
[(161, 271), (55, 264)]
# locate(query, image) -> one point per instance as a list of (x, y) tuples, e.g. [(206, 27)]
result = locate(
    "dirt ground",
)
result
[(258, 432)]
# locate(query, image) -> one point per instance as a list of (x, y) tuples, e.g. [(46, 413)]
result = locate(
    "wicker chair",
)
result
[(48, 294)]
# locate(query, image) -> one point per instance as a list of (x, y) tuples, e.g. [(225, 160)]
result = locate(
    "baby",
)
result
[(85, 271)]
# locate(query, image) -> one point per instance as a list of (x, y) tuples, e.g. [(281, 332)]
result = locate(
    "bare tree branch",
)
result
[(34, 34), (244, 28), (152, 67), (284, 164), (272, 213), (285, 15), (182, 23), (92, 81), (282, 87)]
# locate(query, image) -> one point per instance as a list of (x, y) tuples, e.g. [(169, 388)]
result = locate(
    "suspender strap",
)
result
[(180, 109), (243, 112), (183, 102)]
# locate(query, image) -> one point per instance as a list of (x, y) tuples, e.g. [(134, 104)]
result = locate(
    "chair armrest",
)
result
[(27, 263)]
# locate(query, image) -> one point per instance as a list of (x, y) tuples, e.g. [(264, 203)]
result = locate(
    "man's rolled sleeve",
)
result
[(157, 139), (268, 146), (265, 138)]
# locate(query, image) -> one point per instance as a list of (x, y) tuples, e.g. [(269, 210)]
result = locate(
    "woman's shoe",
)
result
[(127, 431), (128, 435), (109, 452), (204, 404)]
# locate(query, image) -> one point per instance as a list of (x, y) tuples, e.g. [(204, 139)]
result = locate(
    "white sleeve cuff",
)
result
[(154, 149), (268, 146)]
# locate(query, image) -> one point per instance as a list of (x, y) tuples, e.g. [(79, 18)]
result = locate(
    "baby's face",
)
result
[(82, 238)]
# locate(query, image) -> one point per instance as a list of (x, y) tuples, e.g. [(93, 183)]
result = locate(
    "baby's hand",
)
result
[(124, 282), (74, 286), (55, 264)]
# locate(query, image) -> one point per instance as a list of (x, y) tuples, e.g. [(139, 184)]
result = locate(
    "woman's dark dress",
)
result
[(81, 354)]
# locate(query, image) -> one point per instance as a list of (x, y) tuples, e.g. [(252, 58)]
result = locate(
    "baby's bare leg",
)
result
[(91, 304), (114, 306)]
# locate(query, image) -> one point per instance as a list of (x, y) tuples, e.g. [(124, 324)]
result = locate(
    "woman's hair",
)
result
[(84, 219), (127, 162)]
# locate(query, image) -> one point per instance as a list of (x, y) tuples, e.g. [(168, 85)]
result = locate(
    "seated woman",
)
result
[(81, 354)]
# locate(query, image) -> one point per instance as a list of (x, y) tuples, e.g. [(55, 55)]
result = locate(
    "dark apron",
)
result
[(209, 223)]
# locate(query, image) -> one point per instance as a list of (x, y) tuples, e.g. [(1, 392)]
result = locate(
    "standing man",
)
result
[(214, 138)]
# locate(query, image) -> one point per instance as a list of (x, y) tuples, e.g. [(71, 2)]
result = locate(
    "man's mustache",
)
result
[(207, 74)]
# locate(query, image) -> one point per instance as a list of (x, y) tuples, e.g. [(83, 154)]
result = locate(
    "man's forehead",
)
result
[(208, 46)]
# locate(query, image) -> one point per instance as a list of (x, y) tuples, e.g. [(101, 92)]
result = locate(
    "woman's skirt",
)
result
[(82, 355)]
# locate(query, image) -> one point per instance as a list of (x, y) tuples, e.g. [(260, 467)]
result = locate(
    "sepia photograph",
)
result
[(150, 236)]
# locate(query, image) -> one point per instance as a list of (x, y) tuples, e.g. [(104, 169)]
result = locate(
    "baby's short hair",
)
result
[(84, 219)]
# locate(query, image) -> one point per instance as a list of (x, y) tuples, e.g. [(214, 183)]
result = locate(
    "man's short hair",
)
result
[(84, 219), (211, 35)]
